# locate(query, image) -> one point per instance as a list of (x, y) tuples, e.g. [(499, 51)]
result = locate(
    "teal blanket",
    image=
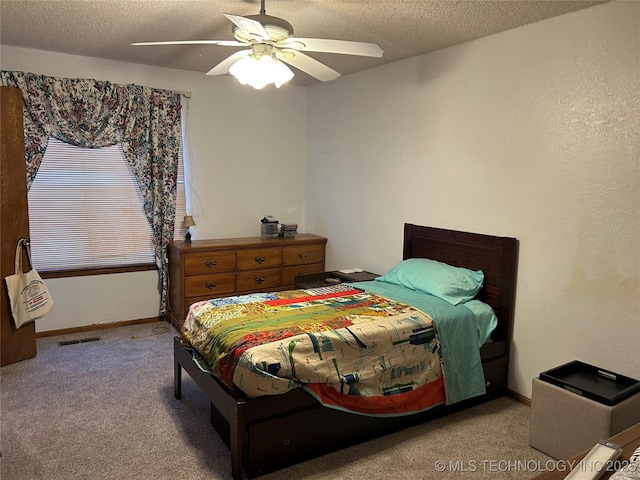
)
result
[(461, 333)]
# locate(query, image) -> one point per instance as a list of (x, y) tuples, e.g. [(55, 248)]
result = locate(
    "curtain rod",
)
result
[(184, 94)]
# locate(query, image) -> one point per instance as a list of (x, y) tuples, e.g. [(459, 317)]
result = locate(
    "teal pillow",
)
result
[(454, 285)]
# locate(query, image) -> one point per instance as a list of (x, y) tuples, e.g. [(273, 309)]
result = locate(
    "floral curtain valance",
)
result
[(92, 113)]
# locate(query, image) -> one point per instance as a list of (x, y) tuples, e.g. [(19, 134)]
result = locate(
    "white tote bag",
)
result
[(28, 295)]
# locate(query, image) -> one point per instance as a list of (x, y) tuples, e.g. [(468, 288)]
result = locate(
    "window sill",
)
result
[(82, 272)]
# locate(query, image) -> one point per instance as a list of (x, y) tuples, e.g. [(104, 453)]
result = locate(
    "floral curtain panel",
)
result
[(92, 113)]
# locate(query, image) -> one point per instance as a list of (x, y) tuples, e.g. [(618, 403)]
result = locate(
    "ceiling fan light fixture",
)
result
[(273, 48), (259, 70)]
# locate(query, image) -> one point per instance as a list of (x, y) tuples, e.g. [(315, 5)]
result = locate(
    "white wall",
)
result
[(531, 133), (247, 151)]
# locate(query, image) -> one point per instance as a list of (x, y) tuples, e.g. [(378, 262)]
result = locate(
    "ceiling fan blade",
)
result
[(249, 26), (224, 43), (307, 64), (332, 46), (223, 66)]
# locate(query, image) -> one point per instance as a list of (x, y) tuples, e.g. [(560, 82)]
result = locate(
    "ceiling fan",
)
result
[(272, 42)]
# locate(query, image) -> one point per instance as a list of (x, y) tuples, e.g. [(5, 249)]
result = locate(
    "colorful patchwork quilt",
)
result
[(351, 349)]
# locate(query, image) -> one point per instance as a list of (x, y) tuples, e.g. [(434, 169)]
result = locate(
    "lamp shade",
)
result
[(260, 71), (188, 221)]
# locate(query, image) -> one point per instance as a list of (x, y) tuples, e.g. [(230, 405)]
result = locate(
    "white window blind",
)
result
[(181, 200), (85, 210)]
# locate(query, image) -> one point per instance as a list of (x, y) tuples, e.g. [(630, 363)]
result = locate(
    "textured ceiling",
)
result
[(106, 28)]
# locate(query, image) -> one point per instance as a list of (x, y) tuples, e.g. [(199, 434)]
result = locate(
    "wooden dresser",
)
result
[(203, 269)]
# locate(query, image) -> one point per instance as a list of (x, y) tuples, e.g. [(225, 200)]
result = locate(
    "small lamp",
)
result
[(188, 222)]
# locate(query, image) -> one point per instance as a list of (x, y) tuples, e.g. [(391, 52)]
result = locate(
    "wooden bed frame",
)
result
[(271, 432)]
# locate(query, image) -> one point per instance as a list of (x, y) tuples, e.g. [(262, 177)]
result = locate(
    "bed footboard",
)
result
[(264, 434), (233, 416), (228, 405)]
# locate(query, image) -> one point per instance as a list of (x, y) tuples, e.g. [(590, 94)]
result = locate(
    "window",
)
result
[(86, 211)]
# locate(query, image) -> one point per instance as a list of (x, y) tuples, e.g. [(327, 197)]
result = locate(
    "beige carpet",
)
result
[(105, 410)]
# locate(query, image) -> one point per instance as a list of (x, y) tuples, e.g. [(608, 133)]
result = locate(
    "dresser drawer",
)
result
[(199, 285), (289, 273), (259, 280), (213, 268), (203, 263), (259, 258), (302, 255)]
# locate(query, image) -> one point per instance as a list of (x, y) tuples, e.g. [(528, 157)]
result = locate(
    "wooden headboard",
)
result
[(495, 256)]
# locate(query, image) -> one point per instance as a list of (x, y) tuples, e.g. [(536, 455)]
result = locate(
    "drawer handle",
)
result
[(260, 259), (259, 280), (211, 285), (211, 263), (303, 255)]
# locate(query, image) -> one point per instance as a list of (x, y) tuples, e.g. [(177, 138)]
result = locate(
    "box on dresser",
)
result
[(203, 269)]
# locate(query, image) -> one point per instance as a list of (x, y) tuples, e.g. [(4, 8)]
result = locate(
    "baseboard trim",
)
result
[(519, 397), (99, 326)]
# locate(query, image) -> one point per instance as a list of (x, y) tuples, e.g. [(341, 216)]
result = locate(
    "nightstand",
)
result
[(315, 280)]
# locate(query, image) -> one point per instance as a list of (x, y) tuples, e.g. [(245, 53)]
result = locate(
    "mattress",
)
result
[(370, 348)]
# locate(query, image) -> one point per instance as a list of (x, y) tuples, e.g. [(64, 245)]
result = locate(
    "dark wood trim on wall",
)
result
[(16, 343)]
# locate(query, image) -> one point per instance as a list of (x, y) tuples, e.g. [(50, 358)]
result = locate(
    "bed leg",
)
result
[(177, 373), (235, 444)]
